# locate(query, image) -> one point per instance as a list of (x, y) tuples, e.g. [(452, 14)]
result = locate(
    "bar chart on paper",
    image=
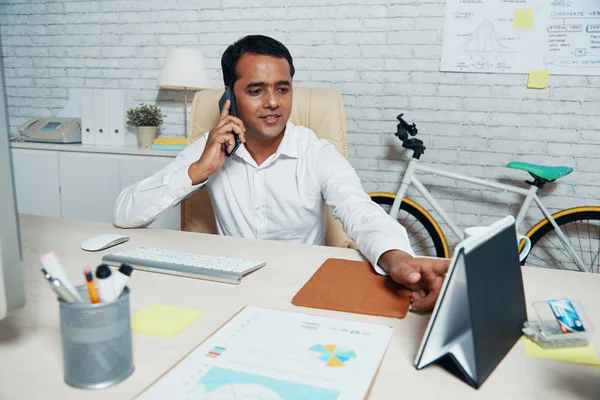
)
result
[(264, 354)]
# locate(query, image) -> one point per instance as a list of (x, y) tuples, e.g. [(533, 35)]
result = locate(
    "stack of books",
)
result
[(174, 144)]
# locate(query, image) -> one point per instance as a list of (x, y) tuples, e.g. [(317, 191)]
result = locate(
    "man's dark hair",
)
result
[(253, 44)]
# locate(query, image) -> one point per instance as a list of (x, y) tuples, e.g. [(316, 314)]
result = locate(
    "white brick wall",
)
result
[(382, 55)]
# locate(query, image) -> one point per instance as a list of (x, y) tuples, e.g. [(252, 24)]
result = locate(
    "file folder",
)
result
[(101, 118), (116, 110), (87, 116)]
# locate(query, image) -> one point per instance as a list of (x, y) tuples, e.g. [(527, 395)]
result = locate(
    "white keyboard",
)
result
[(222, 269)]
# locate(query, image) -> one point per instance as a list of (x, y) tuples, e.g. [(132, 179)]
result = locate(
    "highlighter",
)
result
[(89, 279), (121, 277), (104, 284)]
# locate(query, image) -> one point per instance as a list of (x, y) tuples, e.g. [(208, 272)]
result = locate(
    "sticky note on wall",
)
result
[(523, 19), (538, 79)]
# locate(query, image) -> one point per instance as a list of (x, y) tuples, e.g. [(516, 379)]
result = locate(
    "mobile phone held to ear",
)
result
[(228, 95)]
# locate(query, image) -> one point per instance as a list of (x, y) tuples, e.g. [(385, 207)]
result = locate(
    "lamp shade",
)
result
[(183, 68)]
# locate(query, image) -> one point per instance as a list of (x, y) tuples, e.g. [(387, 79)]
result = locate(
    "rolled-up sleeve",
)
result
[(141, 203), (373, 230)]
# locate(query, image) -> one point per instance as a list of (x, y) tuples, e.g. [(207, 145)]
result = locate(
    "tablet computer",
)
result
[(481, 308)]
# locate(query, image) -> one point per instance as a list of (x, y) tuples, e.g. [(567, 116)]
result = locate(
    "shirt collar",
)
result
[(288, 146), (289, 143)]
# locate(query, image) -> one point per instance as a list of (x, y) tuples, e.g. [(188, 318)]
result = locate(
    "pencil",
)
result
[(94, 298)]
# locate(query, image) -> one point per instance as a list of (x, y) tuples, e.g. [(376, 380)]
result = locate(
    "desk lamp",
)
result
[(184, 69)]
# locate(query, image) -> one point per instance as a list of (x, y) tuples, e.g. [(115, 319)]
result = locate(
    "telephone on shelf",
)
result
[(51, 130), (228, 95)]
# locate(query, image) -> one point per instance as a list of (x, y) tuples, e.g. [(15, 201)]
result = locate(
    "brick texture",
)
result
[(383, 56)]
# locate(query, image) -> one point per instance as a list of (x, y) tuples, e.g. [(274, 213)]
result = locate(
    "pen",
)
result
[(90, 285), (51, 264), (59, 288)]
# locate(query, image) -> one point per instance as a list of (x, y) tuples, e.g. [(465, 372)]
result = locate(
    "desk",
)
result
[(30, 349)]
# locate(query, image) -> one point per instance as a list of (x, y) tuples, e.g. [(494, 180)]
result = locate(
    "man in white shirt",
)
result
[(278, 183)]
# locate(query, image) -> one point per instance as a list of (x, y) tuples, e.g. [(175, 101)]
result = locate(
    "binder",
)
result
[(353, 286), (87, 116), (116, 110), (101, 118), (481, 308)]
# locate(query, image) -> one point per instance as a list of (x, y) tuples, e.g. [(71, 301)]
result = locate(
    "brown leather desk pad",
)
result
[(353, 286)]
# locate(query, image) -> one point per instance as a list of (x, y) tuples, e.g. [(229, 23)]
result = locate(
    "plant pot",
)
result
[(146, 135)]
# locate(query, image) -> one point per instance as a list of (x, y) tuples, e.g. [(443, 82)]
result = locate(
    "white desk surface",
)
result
[(30, 348)]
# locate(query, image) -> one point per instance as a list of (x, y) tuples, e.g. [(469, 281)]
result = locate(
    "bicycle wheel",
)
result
[(581, 226), (425, 235)]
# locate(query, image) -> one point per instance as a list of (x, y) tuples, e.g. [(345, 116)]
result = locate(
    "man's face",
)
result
[(263, 94)]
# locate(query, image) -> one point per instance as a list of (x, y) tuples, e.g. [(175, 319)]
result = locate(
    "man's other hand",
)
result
[(423, 276)]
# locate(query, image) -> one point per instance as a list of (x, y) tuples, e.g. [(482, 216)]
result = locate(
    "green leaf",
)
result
[(145, 115)]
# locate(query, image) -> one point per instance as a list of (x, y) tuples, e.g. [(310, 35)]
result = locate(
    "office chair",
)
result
[(321, 110)]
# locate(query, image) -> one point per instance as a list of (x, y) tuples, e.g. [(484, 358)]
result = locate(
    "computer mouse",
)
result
[(102, 242)]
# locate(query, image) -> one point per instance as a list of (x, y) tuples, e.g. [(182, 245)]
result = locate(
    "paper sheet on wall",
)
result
[(269, 354), (515, 36)]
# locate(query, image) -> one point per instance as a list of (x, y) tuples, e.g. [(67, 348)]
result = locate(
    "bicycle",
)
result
[(555, 240)]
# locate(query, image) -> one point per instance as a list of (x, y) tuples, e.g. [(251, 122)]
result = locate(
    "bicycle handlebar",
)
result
[(403, 131), (404, 128)]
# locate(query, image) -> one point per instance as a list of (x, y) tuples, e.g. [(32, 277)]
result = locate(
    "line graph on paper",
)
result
[(484, 41), (484, 48), (481, 42)]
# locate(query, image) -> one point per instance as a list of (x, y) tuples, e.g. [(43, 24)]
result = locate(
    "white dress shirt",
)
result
[(284, 198)]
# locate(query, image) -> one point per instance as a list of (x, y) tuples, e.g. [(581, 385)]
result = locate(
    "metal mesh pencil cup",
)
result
[(96, 341)]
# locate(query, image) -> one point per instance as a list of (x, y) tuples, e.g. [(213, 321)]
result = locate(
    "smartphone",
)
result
[(228, 95)]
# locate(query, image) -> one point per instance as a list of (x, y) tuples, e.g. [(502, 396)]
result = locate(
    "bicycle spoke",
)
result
[(593, 267), (410, 226), (421, 241), (590, 241), (566, 254), (580, 246), (539, 258), (553, 261), (598, 251)]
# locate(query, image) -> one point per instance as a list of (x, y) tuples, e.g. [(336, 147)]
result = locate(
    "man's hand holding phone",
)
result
[(213, 156)]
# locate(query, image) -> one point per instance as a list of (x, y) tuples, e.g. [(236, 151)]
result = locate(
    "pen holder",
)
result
[(96, 341)]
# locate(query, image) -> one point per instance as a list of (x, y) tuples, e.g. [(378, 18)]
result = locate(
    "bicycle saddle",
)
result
[(540, 171)]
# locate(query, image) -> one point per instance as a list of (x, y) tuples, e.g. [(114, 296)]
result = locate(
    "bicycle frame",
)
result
[(530, 195)]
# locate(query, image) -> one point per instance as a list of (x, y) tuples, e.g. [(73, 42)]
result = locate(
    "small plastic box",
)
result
[(573, 330)]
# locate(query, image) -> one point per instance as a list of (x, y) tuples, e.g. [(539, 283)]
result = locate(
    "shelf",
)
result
[(81, 148)]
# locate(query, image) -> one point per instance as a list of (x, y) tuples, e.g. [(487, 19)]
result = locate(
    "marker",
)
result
[(51, 264), (104, 283), (121, 278), (89, 278), (59, 288)]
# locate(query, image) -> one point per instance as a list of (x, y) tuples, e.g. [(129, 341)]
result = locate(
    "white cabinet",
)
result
[(89, 185), (36, 182), (82, 184)]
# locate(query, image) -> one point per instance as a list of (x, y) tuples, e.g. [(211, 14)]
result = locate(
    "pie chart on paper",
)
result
[(332, 355)]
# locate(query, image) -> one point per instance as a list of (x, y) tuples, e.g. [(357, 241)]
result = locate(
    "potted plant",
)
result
[(146, 118)]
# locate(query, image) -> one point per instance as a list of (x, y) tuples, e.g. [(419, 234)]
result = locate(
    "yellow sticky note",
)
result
[(538, 79), (160, 320), (578, 355), (523, 19)]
